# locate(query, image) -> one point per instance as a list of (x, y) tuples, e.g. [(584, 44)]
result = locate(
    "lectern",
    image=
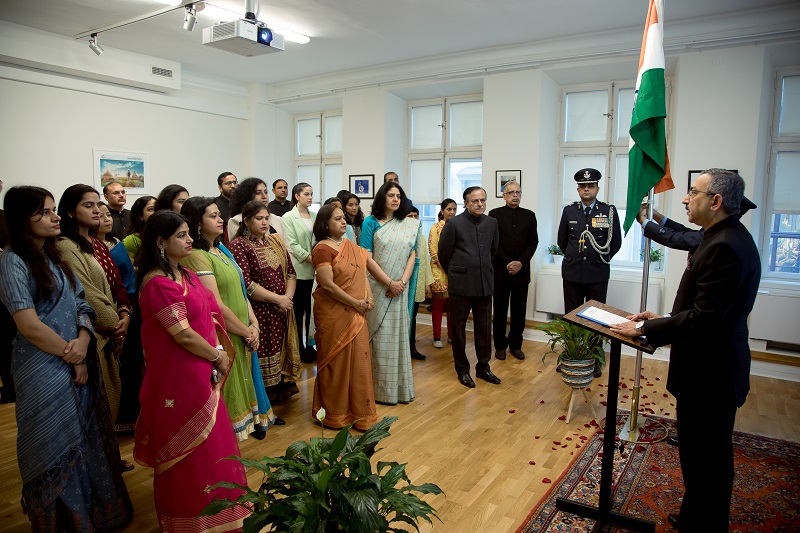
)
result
[(602, 514)]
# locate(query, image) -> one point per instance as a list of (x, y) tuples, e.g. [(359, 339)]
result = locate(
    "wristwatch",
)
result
[(640, 327)]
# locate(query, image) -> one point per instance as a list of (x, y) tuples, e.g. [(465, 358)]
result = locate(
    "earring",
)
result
[(162, 253), (246, 232), (199, 231)]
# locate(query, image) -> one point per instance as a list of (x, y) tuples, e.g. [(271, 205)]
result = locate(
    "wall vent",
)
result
[(162, 72)]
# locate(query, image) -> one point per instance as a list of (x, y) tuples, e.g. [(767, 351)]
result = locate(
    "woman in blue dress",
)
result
[(66, 449)]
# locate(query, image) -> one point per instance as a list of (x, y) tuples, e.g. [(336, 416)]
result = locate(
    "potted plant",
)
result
[(656, 255), (555, 251), (328, 485), (579, 349)]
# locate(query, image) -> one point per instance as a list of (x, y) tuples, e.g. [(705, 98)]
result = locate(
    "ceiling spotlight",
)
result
[(96, 48), (189, 18)]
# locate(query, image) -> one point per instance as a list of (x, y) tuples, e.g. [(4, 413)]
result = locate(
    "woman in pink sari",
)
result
[(183, 430)]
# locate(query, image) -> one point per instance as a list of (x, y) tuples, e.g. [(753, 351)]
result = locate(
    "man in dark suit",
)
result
[(226, 183), (589, 236), (116, 197), (512, 270), (466, 246), (709, 370)]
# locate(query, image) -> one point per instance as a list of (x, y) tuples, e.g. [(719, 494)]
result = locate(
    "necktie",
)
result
[(586, 212)]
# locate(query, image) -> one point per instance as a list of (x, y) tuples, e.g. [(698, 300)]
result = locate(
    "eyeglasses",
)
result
[(229, 183), (694, 192), (513, 193)]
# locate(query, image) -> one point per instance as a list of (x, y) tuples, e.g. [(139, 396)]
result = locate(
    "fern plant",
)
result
[(576, 343), (328, 485)]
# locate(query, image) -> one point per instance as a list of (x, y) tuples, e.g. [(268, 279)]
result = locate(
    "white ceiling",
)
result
[(358, 34)]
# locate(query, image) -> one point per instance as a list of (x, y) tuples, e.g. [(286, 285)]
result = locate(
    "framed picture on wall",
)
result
[(363, 185), (504, 176), (131, 169), (693, 175)]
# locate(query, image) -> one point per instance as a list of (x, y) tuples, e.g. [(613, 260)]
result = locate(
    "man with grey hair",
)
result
[(709, 336)]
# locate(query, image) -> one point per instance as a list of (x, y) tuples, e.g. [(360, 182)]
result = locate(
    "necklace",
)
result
[(339, 242), (221, 255)]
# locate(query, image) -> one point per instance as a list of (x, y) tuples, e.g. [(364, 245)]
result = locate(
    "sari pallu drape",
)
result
[(344, 376), (183, 430)]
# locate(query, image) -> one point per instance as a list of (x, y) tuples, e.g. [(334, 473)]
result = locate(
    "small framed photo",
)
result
[(504, 176), (694, 174), (131, 169), (363, 185)]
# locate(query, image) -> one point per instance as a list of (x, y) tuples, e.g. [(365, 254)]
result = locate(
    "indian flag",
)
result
[(648, 164)]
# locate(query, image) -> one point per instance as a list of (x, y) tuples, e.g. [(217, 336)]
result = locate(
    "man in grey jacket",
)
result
[(466, 246)]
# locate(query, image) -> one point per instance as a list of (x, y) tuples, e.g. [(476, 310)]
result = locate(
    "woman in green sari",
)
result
[(391, 239), (250, 412)]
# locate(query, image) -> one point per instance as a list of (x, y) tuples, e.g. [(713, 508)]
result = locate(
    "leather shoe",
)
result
[(418, 356), (279, 421), (125, 466), (597, 371), (519, 354), (466, 380), (500, 354), (674, 520), (487, 375), (672, 440)]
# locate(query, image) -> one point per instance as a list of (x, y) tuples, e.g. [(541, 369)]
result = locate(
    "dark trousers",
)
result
[(302, 309), (575, 294), (8, 330), (414, 328), (518, 296), (705, 443), (481, 307)]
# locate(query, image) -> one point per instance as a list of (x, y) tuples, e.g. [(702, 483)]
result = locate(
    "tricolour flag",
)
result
[(648, 164)]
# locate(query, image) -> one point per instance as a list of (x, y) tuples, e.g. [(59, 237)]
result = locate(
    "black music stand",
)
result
[(602, 514)]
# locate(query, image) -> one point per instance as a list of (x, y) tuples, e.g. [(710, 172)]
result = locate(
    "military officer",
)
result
[(589, 236)]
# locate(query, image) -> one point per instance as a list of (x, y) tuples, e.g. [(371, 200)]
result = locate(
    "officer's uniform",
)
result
[(585, 271)]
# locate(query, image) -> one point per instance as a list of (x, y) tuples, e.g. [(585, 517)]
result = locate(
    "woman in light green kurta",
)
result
[(221, 275)]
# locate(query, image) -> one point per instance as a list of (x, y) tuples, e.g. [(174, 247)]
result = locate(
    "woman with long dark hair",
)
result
[(298, 224), (183, 431), (270, 281), (142, 209), (351, 205), (392, 240), (244, 394), (248, 190), (67, 453), (439, 285), (89, 259), (172, 197)]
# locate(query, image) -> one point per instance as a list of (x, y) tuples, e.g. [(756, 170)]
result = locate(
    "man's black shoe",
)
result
[(672, 439), (279, 421), (500, 354), (487, 375), (674, 520), (308, 354), (519, 354), (418, 356), (597, 371), (466, 380)]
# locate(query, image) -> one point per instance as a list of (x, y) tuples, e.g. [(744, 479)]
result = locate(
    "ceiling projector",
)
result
[(244, 37)]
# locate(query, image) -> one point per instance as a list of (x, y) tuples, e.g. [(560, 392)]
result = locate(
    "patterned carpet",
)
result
[(648, 484)]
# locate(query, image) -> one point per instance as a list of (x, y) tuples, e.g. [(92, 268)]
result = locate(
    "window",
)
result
[(444, 152), (318, 154), (783, 200), (594, 133)]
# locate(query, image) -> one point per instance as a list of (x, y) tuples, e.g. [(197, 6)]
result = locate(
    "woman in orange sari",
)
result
[(343, 296)]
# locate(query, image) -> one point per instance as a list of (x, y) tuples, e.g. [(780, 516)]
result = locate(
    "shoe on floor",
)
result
[(597, 371), (437, 343), (672, 440), (125, 466), (500, 354), (279, 421), (466, 380), (519, 354), (674, 520), (487, 375), (308, 354), (418, 356)]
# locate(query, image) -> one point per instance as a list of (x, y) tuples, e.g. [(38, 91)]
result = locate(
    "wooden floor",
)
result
[(476, 444)]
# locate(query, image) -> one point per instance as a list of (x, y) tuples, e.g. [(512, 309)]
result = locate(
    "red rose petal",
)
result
[(562, 417), (658, 379), (512, 411), (568, 438), (644, 395), (603, 403), (546, 480), (536, 436), (531, 462), (639, 448), (557, 442), (666, 395)]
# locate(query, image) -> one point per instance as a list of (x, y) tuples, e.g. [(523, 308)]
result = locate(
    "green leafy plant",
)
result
[(328, 485), (656, 255), (576, 343), (553, 249)]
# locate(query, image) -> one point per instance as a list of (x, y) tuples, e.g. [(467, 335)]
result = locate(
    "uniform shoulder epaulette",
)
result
[(574, 203)]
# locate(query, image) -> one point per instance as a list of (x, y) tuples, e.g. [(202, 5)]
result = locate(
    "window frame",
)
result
[(320, 160)]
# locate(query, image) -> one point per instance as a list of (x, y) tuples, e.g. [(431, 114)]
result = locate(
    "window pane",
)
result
[(623, 113), (790, 107), (308, 132), (573, 163), (309, 174), (785, 254), (428, 215), (466, 124), (333, 181), (586, 118), (786, 194), (426, 181), (426, 127), (333, 135), (463, 173)]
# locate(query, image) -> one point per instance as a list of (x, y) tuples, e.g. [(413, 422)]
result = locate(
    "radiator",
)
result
[(622, 294), (775, 318)]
